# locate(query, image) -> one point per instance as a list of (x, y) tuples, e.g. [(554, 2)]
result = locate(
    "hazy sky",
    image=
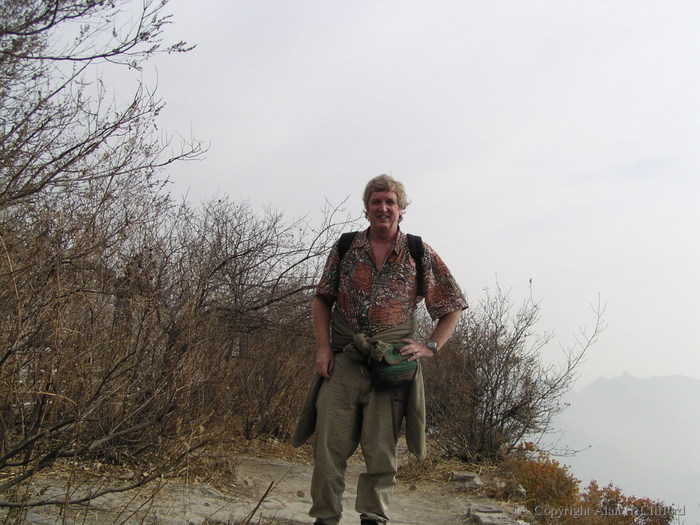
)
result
[(549, 140)]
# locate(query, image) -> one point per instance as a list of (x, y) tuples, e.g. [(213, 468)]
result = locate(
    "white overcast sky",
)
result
[(549, 140)]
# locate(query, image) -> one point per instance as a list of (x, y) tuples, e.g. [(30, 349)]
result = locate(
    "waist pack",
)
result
[(393, 370)]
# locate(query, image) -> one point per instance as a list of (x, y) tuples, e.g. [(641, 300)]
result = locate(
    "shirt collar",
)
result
[(395, 246)]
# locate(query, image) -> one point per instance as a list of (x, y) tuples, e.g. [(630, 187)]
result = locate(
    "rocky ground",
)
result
[(266, 491)]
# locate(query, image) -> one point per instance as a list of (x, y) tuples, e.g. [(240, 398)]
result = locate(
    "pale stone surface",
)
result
[(288, 501)]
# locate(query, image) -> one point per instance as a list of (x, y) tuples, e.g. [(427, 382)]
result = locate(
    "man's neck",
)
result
[(382, 236)]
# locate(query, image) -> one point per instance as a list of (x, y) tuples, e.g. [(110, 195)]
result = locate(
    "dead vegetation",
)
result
[(143, 339)]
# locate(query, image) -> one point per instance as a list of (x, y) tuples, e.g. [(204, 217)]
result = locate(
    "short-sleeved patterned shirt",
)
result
[(372, 300)]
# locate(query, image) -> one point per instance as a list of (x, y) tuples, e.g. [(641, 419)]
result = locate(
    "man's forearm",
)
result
[(443, 330), (322, 322), (445, 327), (322, 325)]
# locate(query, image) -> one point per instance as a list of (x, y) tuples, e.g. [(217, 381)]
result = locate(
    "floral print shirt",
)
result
[(373, 299)]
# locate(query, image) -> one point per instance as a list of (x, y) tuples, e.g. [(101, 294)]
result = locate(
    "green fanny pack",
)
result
[(393, 370)]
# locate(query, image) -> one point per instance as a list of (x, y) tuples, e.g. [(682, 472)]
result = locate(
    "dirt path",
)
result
[(287, 503), (410, 505)]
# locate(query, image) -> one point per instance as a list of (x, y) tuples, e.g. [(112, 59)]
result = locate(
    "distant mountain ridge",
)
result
[(641, 434)]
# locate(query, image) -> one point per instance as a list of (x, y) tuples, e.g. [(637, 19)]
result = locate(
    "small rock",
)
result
[(488, 515), (466, 481), (484, 509), (463, 475)]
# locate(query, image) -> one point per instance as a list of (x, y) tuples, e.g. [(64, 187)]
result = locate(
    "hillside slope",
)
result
[(640, 434)]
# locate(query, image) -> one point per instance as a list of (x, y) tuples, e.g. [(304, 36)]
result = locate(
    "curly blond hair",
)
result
[(386, 183)]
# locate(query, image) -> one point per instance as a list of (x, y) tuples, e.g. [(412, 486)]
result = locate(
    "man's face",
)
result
[(383, 211)]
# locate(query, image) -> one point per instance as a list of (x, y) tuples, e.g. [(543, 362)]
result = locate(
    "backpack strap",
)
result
[(415, 247), (344, 243)]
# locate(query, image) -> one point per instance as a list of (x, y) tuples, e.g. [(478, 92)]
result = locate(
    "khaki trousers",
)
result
[(351, 412)]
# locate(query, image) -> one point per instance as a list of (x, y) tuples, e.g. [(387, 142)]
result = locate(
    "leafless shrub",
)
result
[(127, 343), (488, 388), (78, 178), (251, 301), (127, 324)]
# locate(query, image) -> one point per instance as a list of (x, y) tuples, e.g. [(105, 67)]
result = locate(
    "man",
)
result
[(367, 298)]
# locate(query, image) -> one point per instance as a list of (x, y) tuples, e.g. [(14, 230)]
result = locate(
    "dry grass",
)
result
[(217, 462)]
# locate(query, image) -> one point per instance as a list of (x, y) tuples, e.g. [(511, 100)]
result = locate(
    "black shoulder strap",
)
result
[(415, 247), (344, 243)]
